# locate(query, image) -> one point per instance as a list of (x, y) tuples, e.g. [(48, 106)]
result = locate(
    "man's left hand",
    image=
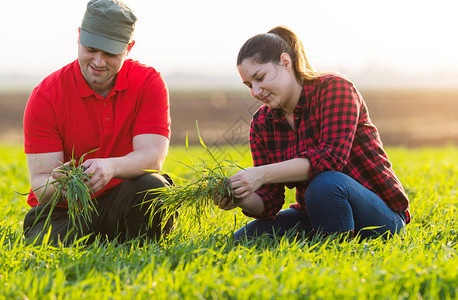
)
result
[(101, 171)]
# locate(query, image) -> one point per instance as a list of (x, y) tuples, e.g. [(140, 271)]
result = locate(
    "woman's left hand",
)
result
[(247, 181), (224, 202)]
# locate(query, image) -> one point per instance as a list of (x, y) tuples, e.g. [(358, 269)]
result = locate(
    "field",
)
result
[(201, 261), (404, 117)]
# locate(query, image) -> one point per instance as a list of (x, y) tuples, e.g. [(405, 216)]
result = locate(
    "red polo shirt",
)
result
[(64, 114)]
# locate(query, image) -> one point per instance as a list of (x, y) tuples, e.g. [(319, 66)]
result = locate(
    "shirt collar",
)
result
[(85, 90), (302, 105)]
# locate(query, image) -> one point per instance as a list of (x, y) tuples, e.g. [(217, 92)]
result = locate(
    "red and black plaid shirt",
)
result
[(334, 132)]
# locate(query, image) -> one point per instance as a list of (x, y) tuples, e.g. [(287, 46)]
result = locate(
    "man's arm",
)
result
[(149, 152), (40, 173)]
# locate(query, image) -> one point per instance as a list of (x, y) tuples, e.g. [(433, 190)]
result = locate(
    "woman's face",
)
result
[(270, 83)]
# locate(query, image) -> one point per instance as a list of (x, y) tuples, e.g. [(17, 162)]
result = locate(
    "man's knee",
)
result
[(146, 209), (148, 182), (38, 223)]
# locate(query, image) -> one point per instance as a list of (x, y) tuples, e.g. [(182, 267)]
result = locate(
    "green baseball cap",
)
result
[(107, 25)]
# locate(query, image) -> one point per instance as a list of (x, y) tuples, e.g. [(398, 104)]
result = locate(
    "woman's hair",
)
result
[(268, 47)]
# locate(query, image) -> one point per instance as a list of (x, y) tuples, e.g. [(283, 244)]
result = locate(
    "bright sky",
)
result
[(203, 36)]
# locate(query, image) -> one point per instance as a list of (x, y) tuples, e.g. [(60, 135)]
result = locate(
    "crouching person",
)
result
[(313, 133), (102, 101)]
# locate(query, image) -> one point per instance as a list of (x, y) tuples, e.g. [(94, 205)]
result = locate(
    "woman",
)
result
[(312, 133)]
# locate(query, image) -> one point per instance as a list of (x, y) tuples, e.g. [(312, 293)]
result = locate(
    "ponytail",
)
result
[(268, 47)]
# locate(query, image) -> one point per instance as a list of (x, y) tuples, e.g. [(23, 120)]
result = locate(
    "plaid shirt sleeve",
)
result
[(338, 108), (272, 195)]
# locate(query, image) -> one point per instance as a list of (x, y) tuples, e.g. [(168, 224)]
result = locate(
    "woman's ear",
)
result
[(286, 61)]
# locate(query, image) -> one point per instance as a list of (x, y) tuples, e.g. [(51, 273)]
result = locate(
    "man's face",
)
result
[(100, 68)]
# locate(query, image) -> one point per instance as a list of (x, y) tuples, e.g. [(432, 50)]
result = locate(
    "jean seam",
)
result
[(383, 213), (346, 195), (392, 219)]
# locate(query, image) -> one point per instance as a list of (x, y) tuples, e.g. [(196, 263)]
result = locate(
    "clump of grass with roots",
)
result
[(209, 181), (71, 186)]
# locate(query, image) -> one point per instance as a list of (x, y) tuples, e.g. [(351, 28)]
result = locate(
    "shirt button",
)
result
[(105, 103), (297, 112), (107, 119)]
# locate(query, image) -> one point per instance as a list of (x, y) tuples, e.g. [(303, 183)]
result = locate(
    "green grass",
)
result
[(200, 261)]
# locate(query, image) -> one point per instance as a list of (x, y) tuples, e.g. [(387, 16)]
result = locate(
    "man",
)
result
[(100, 101)]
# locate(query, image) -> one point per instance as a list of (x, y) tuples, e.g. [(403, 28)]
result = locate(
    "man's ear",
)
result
[(79, 33), (129, 47)]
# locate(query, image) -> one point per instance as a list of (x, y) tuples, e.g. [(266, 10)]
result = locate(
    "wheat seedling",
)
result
[(195, 195), (71, 186)]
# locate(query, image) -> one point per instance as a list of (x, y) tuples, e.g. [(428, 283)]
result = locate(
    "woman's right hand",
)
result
[(247, 181)]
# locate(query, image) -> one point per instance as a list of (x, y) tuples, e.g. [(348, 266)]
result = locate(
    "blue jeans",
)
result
[(335, 203)]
